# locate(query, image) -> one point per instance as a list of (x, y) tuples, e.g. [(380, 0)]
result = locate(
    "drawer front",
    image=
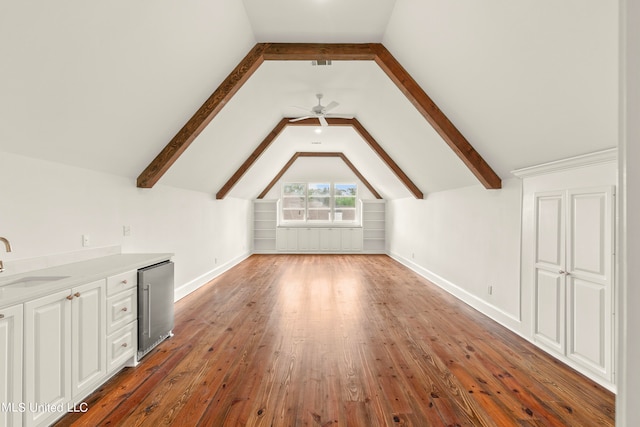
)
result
[(122, 282), (121, 346), (122, 309)]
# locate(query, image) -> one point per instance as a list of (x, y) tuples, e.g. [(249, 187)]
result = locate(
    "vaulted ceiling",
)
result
[(106, 86)]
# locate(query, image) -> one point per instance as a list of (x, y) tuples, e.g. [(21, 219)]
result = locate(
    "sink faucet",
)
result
[(7, 246)]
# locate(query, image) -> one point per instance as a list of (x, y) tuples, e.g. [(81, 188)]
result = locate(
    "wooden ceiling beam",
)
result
[(436, 118), (317, 51), (373, 144), (196, 124), (311, 51), (252, 158), (299, 154)]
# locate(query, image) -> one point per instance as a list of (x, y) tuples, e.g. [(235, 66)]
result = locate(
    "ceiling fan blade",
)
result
[(297, 119), (339, 116), (323, 121), (331, 106)]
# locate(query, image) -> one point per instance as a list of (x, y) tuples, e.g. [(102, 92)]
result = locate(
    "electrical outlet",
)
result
[(126, 230), (215, 260), (490, 290), (413, 255), (85, 240)]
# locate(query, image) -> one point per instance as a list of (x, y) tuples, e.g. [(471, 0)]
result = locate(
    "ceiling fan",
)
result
[(320, 112)]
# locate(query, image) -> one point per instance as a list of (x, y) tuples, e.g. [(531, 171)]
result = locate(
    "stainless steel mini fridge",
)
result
[(155, 306)]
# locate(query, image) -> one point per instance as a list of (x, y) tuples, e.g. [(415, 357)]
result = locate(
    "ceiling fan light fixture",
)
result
[(318, 130)]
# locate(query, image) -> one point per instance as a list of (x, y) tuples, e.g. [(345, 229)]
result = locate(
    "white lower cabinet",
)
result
[(318, 239), (351, 239), (11, 366), (65, 354), (88, 332), (122, 320)]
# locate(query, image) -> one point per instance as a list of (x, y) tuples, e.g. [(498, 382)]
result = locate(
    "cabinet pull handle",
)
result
[(124, 282), (77, 294), (124, 344), (562, 272), (69, 297), (1, 316), (124, 309)]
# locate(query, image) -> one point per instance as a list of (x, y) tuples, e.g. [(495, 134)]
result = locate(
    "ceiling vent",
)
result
[(321, 62)]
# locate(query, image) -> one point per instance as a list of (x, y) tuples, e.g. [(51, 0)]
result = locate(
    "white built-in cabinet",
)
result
[(122, 319), (57, 349), (319, 239), (573, 275), (568, 259), (11, 366), (269, 237), (64, 336)]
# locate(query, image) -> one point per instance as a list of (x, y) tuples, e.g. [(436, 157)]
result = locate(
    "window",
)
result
[(319, 202), (294, 202), (322, 202), (345, 202)]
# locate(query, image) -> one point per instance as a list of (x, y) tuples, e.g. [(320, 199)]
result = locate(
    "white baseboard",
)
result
[(507, 320), (203, 279)]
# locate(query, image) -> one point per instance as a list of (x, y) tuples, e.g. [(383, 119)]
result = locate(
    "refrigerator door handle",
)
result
[(147, 289)]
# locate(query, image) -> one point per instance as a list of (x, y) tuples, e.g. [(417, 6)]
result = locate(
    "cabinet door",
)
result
[(303, 238), (88, 331), (351, 239), (287, 239), (589, 278), (47, 361), (11, 366), (549, 284)]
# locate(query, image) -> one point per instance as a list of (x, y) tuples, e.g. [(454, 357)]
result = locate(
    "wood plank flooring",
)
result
[(341, 340)]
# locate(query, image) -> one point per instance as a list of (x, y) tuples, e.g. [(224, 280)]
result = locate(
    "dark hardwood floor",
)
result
[(341, 340)]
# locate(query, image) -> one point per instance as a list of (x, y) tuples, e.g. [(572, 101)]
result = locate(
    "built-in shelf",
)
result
[(374, 226), (265, 221)]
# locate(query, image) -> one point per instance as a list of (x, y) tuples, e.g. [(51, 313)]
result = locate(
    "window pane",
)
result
[(294, 189), (319, 202), (319, 189), (293, 202), (319, 214), (346, 189), (293, 214), (345, 215), (345, 202)]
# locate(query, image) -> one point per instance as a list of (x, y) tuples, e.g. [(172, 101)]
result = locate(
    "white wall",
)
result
[(464, 240), (46, 207)]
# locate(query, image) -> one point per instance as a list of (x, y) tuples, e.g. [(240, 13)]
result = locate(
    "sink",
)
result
[(29, 281)]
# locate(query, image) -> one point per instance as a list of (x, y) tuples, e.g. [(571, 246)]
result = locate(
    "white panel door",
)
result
[(47, 358), (88, 329), (589, 278), (11, 366), (549, 287)]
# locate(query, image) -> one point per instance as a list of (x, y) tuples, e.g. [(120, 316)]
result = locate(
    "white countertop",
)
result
[(78, 273)]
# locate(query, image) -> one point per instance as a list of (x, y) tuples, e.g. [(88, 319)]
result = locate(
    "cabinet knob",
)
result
[(124, 282), (77, 294), (124, 309), (124, 344), (1, 316), (69, 297)]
